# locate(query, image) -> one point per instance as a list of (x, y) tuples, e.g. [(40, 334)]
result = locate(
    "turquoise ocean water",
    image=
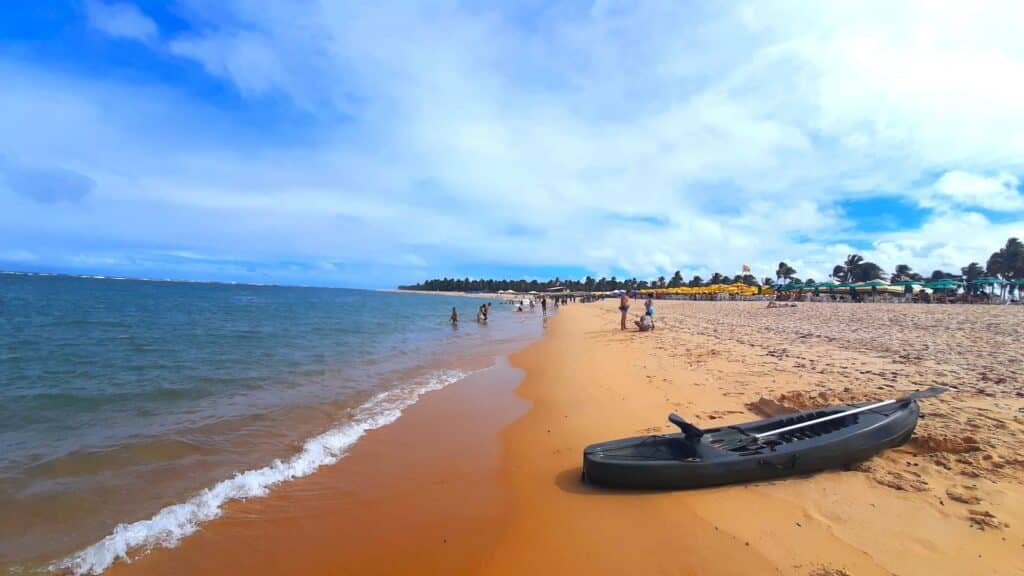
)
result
[(131, 411)]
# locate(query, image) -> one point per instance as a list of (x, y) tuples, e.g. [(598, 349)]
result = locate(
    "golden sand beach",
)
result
[(483, 477)]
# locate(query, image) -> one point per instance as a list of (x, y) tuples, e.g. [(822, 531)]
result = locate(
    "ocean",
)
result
[(132, 411)]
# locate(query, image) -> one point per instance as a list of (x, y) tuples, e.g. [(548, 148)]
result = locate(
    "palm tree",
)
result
[(716, 278), (676, 281), (902, 272), (839, 273), (972, 271), (696, 281), (866, 271), (784, 271), (849, 267)]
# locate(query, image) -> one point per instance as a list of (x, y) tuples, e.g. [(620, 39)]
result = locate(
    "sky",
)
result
[(371, 144)]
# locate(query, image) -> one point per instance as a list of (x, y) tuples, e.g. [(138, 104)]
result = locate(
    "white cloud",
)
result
[(244, 58), (121, 20), (443, 132), (1000, 192)]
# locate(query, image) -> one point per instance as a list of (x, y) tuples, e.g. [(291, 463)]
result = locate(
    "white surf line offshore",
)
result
[(171, 524)]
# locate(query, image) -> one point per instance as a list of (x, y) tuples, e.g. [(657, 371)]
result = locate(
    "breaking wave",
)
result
[(168, 526)]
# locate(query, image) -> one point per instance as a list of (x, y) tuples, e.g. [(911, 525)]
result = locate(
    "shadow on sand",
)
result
[(571, 482)]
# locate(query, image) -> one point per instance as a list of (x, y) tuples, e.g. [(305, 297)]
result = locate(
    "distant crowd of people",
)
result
[(526, 304)]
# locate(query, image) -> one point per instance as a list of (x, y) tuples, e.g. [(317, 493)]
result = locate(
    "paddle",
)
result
[(927, 393)]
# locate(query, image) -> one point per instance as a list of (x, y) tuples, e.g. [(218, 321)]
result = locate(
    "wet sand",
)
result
[(483, 476), (419, 496)]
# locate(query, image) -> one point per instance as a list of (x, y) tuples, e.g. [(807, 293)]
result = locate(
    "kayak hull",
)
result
[(732, 454)]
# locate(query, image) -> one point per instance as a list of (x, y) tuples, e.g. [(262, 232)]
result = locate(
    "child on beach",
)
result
[(645, 323)]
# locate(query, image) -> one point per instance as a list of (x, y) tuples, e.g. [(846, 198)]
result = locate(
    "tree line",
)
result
[(1006, 263)]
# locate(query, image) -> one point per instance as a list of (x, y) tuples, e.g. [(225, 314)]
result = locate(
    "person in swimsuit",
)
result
[(624, 308), (454, 318)]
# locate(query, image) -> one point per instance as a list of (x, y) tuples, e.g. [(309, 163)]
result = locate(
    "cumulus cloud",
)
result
[(632, 138), (121, 20), (1000, 192)]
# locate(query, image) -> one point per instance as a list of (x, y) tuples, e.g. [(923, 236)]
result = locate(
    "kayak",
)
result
[(786, 445)]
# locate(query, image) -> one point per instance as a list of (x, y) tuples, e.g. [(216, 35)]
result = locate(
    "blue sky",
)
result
[(371, 144)]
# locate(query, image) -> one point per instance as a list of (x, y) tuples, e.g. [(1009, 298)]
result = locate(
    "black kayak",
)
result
[(796, 443)]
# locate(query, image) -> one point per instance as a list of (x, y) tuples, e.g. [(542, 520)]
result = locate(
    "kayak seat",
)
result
[(691, 432)]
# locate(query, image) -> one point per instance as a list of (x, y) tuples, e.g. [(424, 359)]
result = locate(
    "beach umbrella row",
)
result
[(944, 284), (736, 288)]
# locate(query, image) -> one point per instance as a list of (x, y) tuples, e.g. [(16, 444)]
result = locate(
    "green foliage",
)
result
[(1006, 263), (856, 269), (784, 272), (904, 273), (677, 280), (972, 271)]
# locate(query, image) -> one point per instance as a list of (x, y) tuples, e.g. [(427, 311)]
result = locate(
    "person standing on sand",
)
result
[(454, 318), (543, 305), (624, 308)]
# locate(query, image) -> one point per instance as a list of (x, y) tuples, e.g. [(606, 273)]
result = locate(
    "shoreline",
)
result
[(494, 486), (174, 521)]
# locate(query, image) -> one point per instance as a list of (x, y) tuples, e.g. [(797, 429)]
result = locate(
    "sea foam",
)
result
[(171, 524)]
